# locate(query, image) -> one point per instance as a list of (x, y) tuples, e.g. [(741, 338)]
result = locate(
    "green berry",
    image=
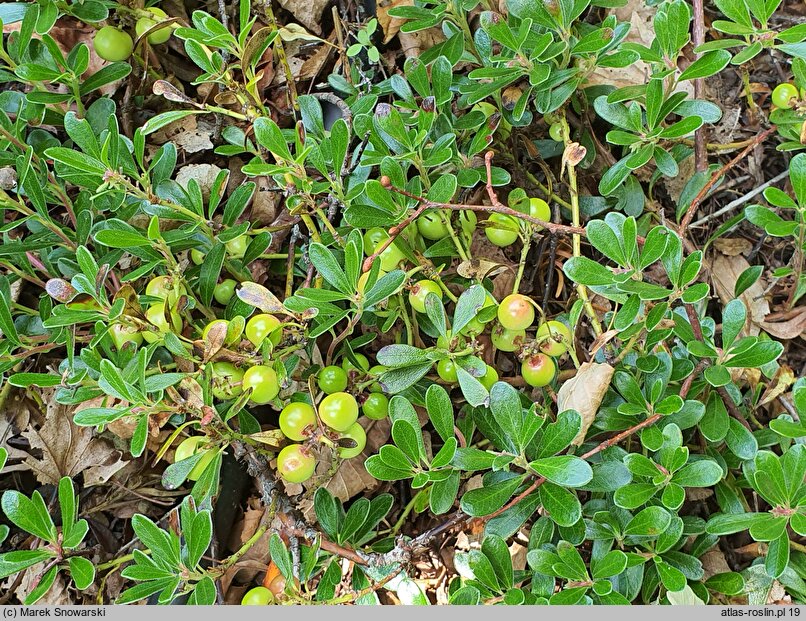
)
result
[(112, 44), (332, 379)]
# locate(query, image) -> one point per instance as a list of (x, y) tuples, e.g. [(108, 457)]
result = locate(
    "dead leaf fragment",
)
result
[(574, 153), (171, 93), (8, 178), (67, 449), (309, 12), (415, 43), (726, 271), (97, 475), (788, 329), (56, 595), (391, 25), (783, 379), (584, 393), (191, 134), (733, 246), (479, 268), (640, 15), (204, 174)]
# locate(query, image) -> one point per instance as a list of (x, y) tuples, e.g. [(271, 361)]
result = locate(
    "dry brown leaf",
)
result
[(789, 329), (378, 432), (56, 595), (309, 12), (123, 427), (249, 565), (265, 204), (725, 272), (517, 553), (313, 64), (96, 475), (696, 494), (474, 482), (479, 268), (601, 305), (8, 179), (573, 154), (732, 246), (640, 15), (713, 562), (204, 174), (351, 479), (487, 255), (503, 284), (777, 593), (600, 341), (414, 43), (190, 134), (295, 50), (584, 393), (247, 525), (390, 25), (675, 185), (67, 449), (725, 131), (16, 417)]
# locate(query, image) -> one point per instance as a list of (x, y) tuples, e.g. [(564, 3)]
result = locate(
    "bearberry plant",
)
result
[(360, 319)]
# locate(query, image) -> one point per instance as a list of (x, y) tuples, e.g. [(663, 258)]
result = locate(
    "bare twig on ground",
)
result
[(692, 208), (741, 200)]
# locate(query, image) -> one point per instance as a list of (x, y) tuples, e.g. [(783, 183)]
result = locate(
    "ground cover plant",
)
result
[(415, 302)]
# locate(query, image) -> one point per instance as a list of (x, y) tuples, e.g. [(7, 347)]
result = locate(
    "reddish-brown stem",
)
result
[(496, 207), (329, 546), (610, 441), (691, 312), (488, 165), (35, 350), (692, 376), (113, 278), (733, 410), (597, 449), (398, 228), (460, 519), (343, 335), (537, 483), (692, 208)]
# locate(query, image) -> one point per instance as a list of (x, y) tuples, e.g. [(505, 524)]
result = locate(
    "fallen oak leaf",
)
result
[(67, 449)]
